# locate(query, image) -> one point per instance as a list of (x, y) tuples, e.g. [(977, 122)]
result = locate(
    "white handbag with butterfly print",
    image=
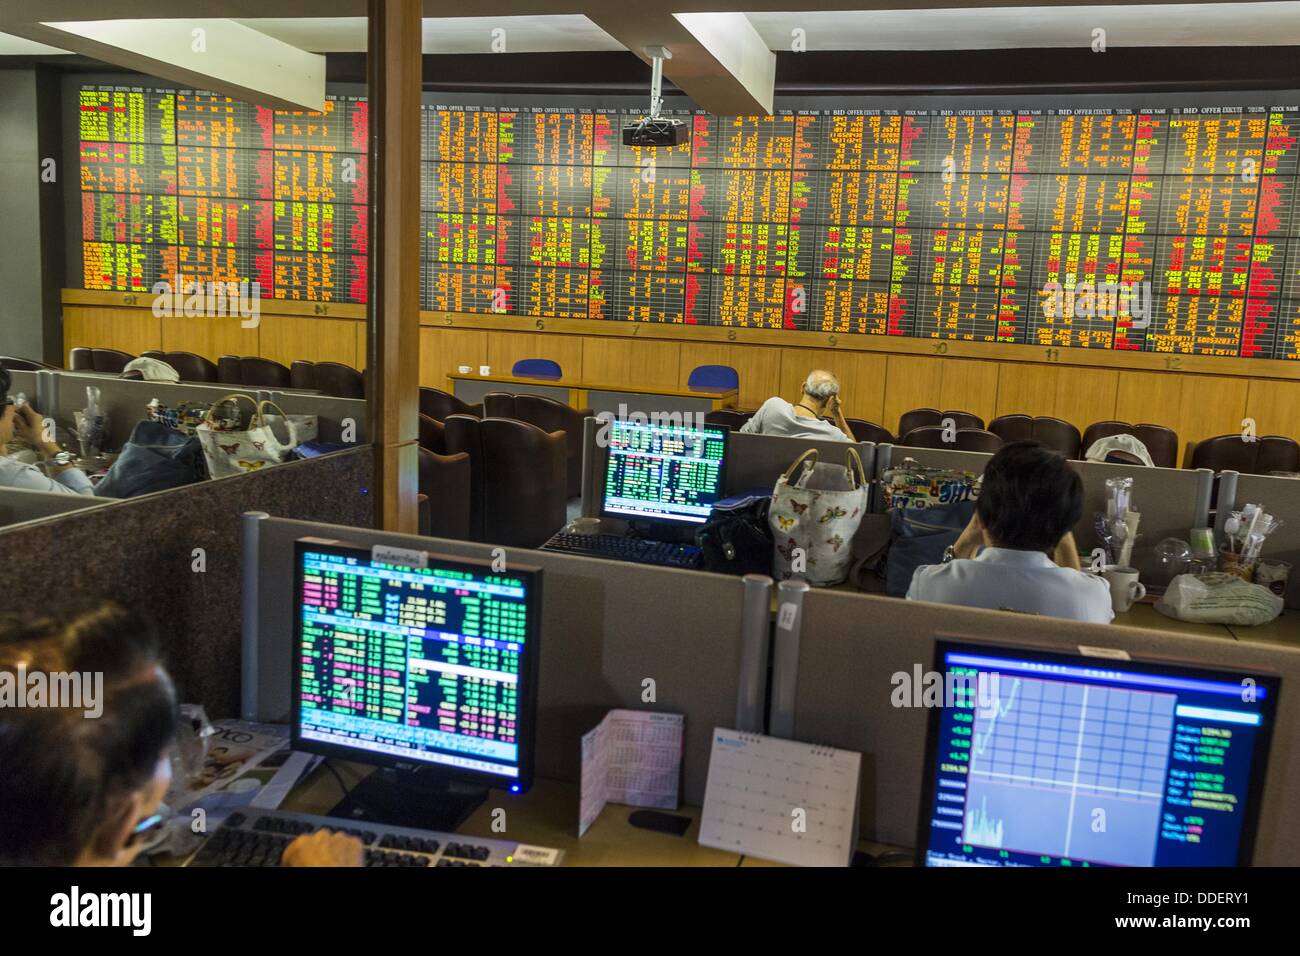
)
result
[(266, 441), (815, 516)]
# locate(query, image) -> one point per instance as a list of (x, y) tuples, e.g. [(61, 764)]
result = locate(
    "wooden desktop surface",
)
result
[(725, 396)]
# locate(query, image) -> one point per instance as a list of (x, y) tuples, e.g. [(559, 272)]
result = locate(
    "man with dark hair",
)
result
[(1018, 553)]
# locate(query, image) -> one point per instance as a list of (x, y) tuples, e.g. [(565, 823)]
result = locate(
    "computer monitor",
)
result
[(1039, 758), (431, 668), (664, 472)]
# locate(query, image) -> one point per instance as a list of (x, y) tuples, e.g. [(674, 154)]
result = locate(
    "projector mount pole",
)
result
[(657, 56)]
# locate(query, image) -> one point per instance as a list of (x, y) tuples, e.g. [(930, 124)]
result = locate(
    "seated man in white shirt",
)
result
[(1029, 500), (27, 424), (821, 396)]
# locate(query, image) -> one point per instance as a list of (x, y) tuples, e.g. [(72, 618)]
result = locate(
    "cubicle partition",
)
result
[(612, 635), (26, 384), (176, 556), (754, 462), (1279, 497), (123, 400), (1171, 501), (18, 505), (850, 646)]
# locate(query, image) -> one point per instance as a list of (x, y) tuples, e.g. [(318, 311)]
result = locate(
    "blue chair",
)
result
[(537, 368), (713, 376)]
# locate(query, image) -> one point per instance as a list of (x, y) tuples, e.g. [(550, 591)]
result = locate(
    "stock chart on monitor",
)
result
[(946, 224), (412, 664), (1047, 760)]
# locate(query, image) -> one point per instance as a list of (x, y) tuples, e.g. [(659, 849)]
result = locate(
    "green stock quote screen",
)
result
[(961, 224)]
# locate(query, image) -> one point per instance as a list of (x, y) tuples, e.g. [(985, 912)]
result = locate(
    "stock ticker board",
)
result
[(937, 224)]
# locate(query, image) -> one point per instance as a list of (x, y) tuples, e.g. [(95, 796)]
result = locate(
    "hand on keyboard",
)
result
[(323, 848)]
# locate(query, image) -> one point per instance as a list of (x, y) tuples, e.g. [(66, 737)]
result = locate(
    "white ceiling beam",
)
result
[(214, 54)]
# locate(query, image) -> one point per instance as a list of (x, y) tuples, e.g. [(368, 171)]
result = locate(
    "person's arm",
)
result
[(755, 424), (970, 540), (837, 413), (30, 427), (1067, 552)]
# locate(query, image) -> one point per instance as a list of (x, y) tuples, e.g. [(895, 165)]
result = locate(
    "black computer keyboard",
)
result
[(259, 838), (618, 548)]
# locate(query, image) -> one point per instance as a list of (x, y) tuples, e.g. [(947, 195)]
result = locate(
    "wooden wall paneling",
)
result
[(442, 351), (607, 358), (1025, 390), (969, 387), (861, 375), (911, 381), (1085, 395), (211, 337), (1275, 406), (651, 362), (1211, 405), (507, 348), (1151, 397), (129, 330), (286, 338), (759, 368)]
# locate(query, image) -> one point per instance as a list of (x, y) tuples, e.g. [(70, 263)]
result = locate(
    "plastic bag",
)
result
[(1218, 598)]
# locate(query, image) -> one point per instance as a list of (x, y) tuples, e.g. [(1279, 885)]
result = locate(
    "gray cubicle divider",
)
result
[(1171, 501), (18, 505), (893, 456), (753, 461), (1279, 497), (125, 400), (332, 413), (26, 383), (607, 629), (851, 647)]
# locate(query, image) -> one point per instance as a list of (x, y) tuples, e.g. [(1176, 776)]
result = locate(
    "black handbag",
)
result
[(736, 539)]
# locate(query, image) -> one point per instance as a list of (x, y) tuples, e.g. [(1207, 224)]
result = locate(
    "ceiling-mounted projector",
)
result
[(656, 130)]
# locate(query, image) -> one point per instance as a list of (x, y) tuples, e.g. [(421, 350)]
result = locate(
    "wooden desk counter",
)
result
[(599, 396)]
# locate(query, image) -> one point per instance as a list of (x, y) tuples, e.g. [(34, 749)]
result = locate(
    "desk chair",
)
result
[(920, 417), (433, 435), (1054, 433), (328, 378), (445, 493), (252, 371), (84, 359), (1259, 457), (550, 416), (438, 404), (13, 364), (966, 439), (730, 418), (713, 376), (190, 367), (537, 368), (864, 430), (517, 479)]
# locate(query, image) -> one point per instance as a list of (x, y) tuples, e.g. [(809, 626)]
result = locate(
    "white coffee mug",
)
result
[(485, 370), (1125, 588), (464, 369)]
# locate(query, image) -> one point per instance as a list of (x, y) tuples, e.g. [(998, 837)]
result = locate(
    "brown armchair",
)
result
[(1054, 433), (328, 378), (1259, 457), (920, 417), (84, 359), (965, 439), (190, 367), (730, 418), (252, 371), (12, 363), (517, 478), (550, 416), (438, 404), (445, 494), (864, 430), (433, 435)]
